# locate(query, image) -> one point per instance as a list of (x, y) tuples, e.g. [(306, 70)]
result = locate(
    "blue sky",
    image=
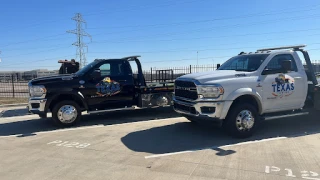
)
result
[(165, 33)]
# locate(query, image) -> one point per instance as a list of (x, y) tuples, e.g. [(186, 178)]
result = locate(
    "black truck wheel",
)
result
[(161, 100), (66, 113), (241, 121)]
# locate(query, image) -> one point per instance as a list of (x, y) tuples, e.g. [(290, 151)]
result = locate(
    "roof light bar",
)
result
[(283, 47), (131, 57)]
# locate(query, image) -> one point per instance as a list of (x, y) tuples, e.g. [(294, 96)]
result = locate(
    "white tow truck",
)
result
[(268, 84)]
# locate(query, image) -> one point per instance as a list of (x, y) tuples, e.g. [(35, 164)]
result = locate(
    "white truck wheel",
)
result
[(242, 121)]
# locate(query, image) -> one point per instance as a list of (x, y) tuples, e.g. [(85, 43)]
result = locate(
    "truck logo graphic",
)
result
[(282, 86), (108, 87)]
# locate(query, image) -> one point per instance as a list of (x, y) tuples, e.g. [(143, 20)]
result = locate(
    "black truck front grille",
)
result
[(186, 89)]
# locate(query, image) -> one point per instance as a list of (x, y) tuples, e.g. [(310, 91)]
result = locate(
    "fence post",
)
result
[(151, 74), (190, 69), (12, 81)]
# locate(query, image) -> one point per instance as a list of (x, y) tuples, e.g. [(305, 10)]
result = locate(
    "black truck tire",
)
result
[(43, 116), (161, 100), (241, 121), (66, 113)]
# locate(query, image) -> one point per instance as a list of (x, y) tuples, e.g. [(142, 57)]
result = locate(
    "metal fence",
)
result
[(16, 85), (171, 73)]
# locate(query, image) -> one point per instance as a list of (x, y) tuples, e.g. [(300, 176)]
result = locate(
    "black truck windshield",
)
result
[(86, 68), (249, 62)]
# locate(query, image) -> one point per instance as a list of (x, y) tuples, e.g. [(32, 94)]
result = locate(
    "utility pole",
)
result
[(197, 58), (79, 43), (0, 57)]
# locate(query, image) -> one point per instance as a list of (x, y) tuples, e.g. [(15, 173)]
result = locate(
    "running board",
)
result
[(111, 110), (266, 118)]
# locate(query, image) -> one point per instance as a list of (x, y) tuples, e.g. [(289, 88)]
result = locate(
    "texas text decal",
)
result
[(108, 87), (282, 86)]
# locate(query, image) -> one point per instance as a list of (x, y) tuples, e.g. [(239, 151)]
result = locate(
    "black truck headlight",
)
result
[(37, 91)]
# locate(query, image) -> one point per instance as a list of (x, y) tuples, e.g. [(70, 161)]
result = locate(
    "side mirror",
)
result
[(96, 74), (286, 65)]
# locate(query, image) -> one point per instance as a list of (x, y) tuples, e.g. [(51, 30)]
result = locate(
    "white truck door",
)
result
[(282, 91)]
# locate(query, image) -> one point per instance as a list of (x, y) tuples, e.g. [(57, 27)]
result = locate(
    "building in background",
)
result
[(40, 73), (26, 75)]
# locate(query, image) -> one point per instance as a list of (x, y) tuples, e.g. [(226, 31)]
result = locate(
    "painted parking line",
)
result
[(96, 126), (213, 147)]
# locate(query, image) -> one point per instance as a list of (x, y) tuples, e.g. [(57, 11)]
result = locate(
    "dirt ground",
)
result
[(6, 100)]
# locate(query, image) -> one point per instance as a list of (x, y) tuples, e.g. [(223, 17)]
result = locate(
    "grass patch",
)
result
[(13, 100)]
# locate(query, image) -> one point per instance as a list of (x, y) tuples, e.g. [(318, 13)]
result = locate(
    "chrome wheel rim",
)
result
[(67, 114), (162, 101), (245, 120)]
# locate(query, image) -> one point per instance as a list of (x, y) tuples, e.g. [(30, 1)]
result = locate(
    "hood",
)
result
[(52, 78), (204, 77)]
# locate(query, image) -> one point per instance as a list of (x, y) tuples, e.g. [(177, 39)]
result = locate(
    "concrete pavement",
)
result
[(156, 144)]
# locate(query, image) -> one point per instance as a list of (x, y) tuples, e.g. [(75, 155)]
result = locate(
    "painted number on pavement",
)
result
[(69, 144), (303, 174)]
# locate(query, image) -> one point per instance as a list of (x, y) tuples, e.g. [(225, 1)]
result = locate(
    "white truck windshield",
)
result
[(250, 62)]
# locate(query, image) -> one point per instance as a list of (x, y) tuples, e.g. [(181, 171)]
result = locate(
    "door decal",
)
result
[(283, 86), (108, 87)]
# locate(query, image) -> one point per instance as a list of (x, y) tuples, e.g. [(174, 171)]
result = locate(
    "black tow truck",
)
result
[(103, 85)]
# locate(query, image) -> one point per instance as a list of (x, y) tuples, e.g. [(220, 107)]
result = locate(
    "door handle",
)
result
[(122, 80), (297, 78)]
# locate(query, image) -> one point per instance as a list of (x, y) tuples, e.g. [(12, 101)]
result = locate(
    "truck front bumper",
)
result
[(214, 110), (37, 105)]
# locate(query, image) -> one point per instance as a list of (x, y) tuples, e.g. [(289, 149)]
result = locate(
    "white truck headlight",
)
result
[(37, 91), (210, 91)]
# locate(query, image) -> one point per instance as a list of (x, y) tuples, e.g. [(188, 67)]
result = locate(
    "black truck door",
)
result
[(113, 89)]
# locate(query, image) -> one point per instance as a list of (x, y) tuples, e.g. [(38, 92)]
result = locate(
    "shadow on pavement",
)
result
[(14, 112), (26, 128), (187, 136)]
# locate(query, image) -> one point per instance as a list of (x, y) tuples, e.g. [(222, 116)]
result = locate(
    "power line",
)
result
[(173, 60), (134, 8), (201, 30), (209, 37), (16, 49), (188, 49), (39, 60), (101, 12), (179, 23), (178, 50), (197, 30), (194, 50), (79, 43), (314, 7), (64, 47), (32, 40)]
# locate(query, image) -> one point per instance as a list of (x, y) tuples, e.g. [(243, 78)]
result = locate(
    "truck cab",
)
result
[(250, 87), (102, 85)]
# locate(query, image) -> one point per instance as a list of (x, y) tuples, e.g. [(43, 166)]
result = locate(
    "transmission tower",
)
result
[(80, 44)]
